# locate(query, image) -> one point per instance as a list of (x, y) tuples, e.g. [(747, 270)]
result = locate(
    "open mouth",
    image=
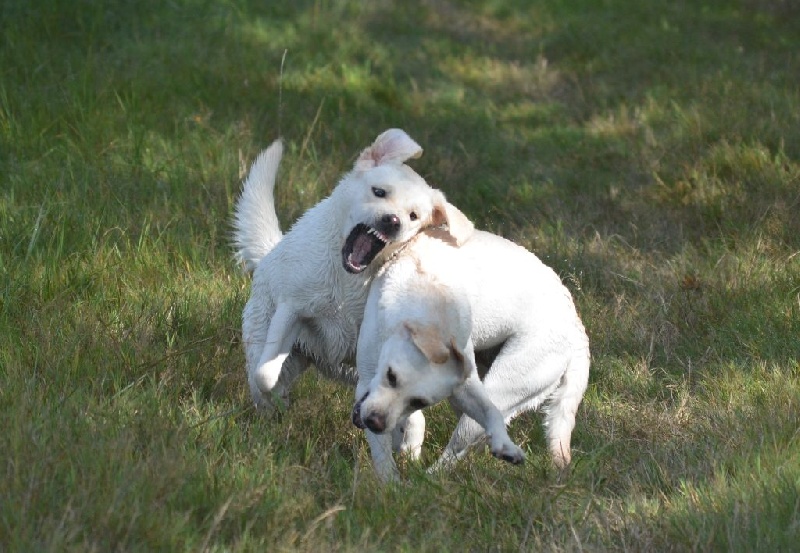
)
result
[(361, 247)]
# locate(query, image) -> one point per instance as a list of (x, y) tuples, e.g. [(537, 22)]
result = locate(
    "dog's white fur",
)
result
[(303, 301), (531, 343), (415, 349)]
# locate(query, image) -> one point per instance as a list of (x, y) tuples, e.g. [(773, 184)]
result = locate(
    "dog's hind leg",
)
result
[(467, 433), (281, 335), (559, 420)]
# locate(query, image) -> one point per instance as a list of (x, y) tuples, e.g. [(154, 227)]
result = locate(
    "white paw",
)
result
[(265, 377)]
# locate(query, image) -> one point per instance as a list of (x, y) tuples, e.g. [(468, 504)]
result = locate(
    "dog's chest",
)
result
[(332, 332)]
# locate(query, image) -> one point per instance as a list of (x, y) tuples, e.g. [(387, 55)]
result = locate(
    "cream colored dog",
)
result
[(309, 286), (413, 348)]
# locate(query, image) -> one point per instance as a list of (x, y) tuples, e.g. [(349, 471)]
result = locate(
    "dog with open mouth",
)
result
[(310, 285)]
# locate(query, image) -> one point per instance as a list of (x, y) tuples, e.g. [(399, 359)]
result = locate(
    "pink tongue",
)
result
[(361, 248)]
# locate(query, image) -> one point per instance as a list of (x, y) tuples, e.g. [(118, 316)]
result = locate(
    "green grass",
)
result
[(648, 151)]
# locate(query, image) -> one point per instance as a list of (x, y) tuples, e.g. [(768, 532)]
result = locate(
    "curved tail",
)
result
[(255, 223)]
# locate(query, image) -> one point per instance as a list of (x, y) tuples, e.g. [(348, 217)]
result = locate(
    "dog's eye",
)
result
[(391, 378), (412, 216), (379, 192), (417, 403)]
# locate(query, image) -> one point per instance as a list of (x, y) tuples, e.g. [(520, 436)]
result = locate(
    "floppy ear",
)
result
[(429, 341), (392, 146), (458, 226), (466, 362)]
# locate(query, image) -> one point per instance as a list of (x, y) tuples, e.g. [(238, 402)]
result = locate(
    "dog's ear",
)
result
[(466, 362), (429, 341), (458, 226), (392, 146)]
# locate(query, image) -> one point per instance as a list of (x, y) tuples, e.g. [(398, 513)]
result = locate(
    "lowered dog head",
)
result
[(388, 203), (418, 367)]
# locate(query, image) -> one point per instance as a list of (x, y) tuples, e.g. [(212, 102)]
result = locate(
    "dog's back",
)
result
[(419, 278), (513, 293)]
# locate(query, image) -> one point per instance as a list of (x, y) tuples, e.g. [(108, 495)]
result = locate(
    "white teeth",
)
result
[(377, 234)]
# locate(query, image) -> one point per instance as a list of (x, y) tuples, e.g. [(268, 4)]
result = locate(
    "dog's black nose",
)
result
[(390, 224), (356, 416), (375, 422)]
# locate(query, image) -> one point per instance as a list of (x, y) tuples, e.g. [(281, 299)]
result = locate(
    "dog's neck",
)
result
[(396, 254)]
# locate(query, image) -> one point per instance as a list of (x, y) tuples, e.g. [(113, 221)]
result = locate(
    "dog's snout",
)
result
[(390, 224), (375, 422)]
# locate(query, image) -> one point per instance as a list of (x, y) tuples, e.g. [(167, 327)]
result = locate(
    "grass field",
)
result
[(648, 151)]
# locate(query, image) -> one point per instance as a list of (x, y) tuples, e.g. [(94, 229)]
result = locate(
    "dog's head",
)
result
[(389, 203), (418, 367)]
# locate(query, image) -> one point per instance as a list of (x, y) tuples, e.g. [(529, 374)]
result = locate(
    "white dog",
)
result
[(415, 349), (525, 327), (309, 286)]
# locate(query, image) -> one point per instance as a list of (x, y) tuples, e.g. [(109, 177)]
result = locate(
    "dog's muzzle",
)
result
[(375, 422)]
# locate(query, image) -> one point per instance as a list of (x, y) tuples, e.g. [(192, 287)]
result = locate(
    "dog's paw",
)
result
[(510, 453)]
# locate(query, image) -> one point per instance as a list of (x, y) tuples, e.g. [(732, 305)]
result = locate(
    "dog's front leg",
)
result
[(294, 365), (471, 398), (408, 436), (281, 335), (380, 446)]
